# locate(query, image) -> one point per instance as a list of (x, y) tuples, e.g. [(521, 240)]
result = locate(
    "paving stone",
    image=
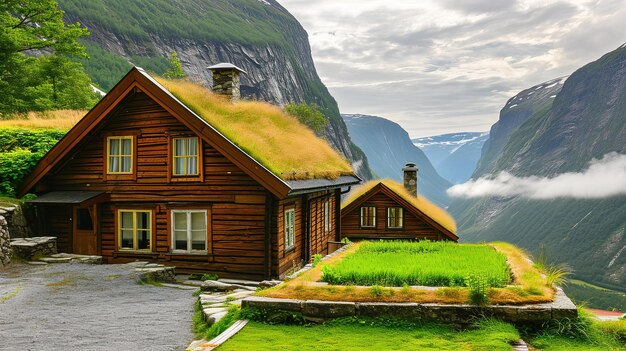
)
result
[(37, 263), (212, 310), (211, 298), (214, 318), (56, 260), (240, 282), (239, 295), (196, 283), (214, 285), (137, 264), (178, 286)]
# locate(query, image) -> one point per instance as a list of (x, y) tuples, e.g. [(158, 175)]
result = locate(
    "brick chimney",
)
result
[(226, 80), (410, 178)]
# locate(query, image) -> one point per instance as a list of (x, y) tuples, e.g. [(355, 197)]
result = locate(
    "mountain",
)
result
[(454, 155), (535, 100), (389, 148), (585, 120), (260, 36)]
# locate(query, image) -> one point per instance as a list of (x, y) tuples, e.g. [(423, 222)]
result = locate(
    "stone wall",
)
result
[(16, 221), (5, 242), (457, 314)]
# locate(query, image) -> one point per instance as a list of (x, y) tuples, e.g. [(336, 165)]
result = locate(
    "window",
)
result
[(368, 217), (134, 227), (83, 219), (185, 156), (290, 226), (327, 225), (120, 155), (395, 216), (189, 231)]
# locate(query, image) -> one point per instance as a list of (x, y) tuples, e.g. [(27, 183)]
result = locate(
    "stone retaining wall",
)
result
[(16, 221), (34, 248), (5, 243), (458, 314)]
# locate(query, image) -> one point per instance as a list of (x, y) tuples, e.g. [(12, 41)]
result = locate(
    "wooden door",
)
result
[(85, 238)]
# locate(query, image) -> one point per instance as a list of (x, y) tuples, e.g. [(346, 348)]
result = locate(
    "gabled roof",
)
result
[(418, 205), (273, 180)]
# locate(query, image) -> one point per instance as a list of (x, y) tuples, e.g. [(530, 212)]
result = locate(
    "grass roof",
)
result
[(58, 119), (264, 131), (428, 208)]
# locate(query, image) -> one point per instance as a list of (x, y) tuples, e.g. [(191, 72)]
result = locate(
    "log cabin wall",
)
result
[(414, 227), (236, 201), (320, 236), (289, 258), (56, 220)]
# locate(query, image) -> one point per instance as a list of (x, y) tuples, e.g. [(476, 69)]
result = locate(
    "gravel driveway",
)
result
[(90, 307)]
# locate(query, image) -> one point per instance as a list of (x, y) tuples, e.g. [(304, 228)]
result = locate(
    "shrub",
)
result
[(377, 290), (209, 276), (317, 258), (14, 167), (479, 288), (556, 274), (308, 114)]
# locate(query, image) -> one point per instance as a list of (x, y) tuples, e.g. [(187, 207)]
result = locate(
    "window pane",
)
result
[(179, 147), (143, 239), (192, 146), (127, 146), (198, 240), (126, 241), (126, 162), (126, 220), (114, 164), (198, 220), (114, 146), (180, 240), (179, 165), (192, 165), (180, 221), (143, 220)]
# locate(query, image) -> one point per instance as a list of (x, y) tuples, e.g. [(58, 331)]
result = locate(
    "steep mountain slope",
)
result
[(389, 148), (461, 163), (261, 37), (586, 121), (516, 112)]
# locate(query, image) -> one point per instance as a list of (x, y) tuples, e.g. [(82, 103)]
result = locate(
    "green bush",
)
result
[(479, 288), (317, 258), (20, 150), (308, 114)]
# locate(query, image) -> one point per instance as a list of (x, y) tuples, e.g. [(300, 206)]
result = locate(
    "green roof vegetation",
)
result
[(426, 263), (420, 202), (276, 140)]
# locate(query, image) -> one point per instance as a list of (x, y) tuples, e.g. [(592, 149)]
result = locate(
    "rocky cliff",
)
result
[(586, 120), (389, 148), (261, 37)]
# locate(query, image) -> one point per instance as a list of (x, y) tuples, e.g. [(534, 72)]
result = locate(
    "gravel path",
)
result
[(90, 307)]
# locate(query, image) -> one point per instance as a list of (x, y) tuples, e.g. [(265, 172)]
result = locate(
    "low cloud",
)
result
[(603, 178)]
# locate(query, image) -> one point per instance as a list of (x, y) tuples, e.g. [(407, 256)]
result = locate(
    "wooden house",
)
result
[(169, 172), (385, 209)]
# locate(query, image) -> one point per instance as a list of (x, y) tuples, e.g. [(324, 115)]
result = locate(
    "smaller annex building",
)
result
[(385, 209)]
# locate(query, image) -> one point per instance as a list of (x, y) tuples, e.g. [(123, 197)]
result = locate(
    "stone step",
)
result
[(240, 282)]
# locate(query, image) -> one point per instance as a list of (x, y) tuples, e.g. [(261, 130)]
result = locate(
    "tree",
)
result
[(308, 114), (36, 72), (176, 69)]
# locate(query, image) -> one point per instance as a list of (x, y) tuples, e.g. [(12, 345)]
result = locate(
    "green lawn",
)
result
[(354, 335), (593, 296), (395, 263)]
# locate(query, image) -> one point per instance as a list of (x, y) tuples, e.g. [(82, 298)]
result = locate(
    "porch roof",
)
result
[(66, 197)]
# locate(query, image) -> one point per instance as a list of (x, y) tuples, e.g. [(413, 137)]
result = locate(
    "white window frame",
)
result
[(327, 223), (401, 218), (290, 228), (363, 217), (206, 231)]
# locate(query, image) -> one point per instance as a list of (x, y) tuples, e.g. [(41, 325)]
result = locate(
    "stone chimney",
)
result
[(226, 80), (410, 178)]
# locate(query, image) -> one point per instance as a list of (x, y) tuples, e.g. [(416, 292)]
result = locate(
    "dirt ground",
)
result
[(90, 307)]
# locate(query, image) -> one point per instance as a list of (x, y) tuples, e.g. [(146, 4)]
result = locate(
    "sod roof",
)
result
[(276, 140), (431, 210)]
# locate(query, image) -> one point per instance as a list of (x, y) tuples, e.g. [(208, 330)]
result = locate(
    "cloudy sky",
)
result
[(450, 65)]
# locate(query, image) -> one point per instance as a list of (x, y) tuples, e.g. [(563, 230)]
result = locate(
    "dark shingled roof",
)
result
[(66, 197)]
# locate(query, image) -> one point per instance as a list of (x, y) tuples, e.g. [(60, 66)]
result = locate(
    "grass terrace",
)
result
[(429, 263), (398, 271)]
